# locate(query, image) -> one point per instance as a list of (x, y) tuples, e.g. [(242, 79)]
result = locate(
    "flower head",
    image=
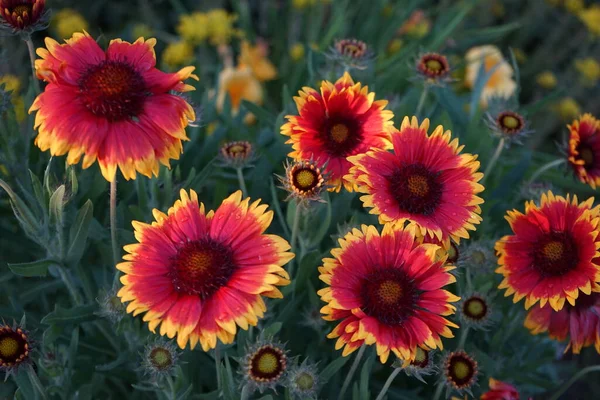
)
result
[(426, 180), (459, 371), (15, 348), (23, 16), (421, 366), (177, 54), (304, 181), (159, 358), (111, 306), (341, 120), (200, 275), (193, 28), (239, 84), (237, 154), (580, 323), (351, 53), (568, 108), (500, 391), (552, 255), (264, 366), (433, 67), (475, 310), (546, 80), (509, 125), (297, 52), (255, 57), (113, 106), (303, 381), (584, 149), (477, 256), (591, 19), (386, 288), (500, 82), (417, 25), (589, 71), (67, 22), (220, 26)]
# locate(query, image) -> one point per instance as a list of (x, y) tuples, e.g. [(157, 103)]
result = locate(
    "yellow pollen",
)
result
[(237, 149), (8, 347), (510, 122), (417, 185), (389, 292), (475, 308), (587, 155), (200, 261), (553, 251), (461, 369), (339, 133), (305, 381), (305, 178), (22, 10), (268, 363), (434, 65)]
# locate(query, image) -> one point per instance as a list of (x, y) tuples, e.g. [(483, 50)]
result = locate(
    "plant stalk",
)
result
[(493, 161), (563, 388), (388, 383), (422, 100), (242, 182), (545, 168), (353, 368), (113, 225), (31, 49)]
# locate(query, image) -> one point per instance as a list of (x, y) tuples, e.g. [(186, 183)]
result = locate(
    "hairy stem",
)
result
[(545, 168), (388, 383), (494, 159), (563, 388), (353, 368), (242, 182)]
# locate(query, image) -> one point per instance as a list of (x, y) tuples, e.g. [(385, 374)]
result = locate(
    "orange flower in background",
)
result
[(426, 181), (113, 106), (341, 120), (553, 253), (387, 290), (256, 58), (584, 149), (500, 83), (579, 323), (200, 275), (240, 84), (500, 391)]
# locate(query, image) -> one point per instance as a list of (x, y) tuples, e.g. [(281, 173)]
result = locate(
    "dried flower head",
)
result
[(433, 67), (264, 365), (534, 190), (475, 310), (160, 358), (477, 256), (111, 306), (421, 366), (351, 53), (303, 381), (304, 181), (15, 347), (237, 154), (23, 16), (459, 372)]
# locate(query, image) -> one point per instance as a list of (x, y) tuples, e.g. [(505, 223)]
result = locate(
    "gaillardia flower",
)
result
[(303, 381), (421, 366), (304, 181), (509, 125), (500, 391), (387, 290), (199, 275), (580, 323), (426, 180), (255, 57), (239, 84), (351, 53), (15, 348), (341, 120), (459, 371), (264, 365), (584, 149), (500, 82), (237, 154), (23, 15), (552, 255), (112, 106), (159, 359), (433, 67), (475, 311)]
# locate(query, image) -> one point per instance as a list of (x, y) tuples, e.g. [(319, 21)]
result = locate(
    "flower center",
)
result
[(475, 308), (339, 133), (305, 381), (267, 364), (113, 90), (351, 48), (510, 122), (388, 295), (478, 257), (452, 253), (555, 254), (461, 370), (237, 149), (421, 358), (586, 154), (161, 358), (415, 189), (202, 267), (305, 179), (9, 347), (22, 10), (14, 347), (434, 65)]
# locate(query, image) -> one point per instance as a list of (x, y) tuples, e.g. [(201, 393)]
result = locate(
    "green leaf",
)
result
[(186, 394), (24, 383), (260, 113), (79, 232), (25, 216), (31, 269), (277, 207), (76, 315), (323, 222), (330, 370), (57, 205), (273, 329), (38, 190), (365, 374), (449, 28), (204, 173)]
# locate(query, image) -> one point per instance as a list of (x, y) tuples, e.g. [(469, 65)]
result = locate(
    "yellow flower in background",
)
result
[(193, 27), (255, 58), (11, 83), (141, 30), (546, 80), (297, 52), (568, 109), (591, 18), (240, 84), (417, 25), (220, 26), (589, 71), (302, 4), (178, 53), (574, 6), (394, 46), (500, 83), (68, 21)]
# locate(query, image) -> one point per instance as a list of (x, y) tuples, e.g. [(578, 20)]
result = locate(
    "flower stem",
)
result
[(463, 337), (353, 368), (493, 161), (172, 393), (545, 168), (245, 392), (113, 225), (422, 100), (438, 391), (240, 175), (574, 379), (30, 47), (35, 381), (295, 228), (68, 281), (217, 365), (388, 383)]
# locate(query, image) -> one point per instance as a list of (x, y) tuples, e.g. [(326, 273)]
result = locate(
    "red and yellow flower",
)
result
[(113, 106), (426, 180), (387, 290), (341, 120), (23, 15), (201, 275), (584, 149), (500, 391), (553, 253), (580, 323)]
